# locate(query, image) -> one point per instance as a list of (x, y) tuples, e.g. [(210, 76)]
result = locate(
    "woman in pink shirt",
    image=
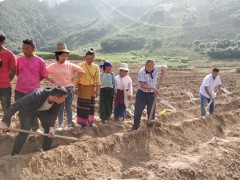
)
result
[(63, 73)]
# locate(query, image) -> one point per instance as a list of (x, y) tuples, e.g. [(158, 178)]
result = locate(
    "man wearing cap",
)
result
[(147, 82), (207, 94), (7, 73), (124, 92), (31, 70), (64, 73)]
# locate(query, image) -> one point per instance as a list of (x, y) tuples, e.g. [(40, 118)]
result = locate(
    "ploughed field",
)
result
[(178, 145)]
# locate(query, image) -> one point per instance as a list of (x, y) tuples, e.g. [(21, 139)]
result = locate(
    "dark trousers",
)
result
[(143, 99), (5, 98), (26, 123), (35, 124), (106, 103)]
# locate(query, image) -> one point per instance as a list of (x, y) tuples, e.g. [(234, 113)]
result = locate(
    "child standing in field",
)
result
[(107, 91), (124, 92)]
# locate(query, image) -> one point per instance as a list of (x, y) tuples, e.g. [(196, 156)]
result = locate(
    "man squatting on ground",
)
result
[(41, 103)]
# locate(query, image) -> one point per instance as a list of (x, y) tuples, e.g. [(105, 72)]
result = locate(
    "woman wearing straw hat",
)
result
[(64, 73), (124, 92), (88, 89)]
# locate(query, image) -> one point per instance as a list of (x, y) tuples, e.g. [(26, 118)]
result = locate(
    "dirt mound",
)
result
[(179, 145), (194, 149)]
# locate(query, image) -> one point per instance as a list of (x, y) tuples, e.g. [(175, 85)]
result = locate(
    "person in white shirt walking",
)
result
[(207, 94), (124, 92)]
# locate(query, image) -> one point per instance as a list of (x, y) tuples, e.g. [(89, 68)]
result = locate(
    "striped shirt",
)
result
[(150, 79)]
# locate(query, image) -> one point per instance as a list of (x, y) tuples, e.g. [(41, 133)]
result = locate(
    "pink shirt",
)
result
[(62, 73), (124, 83), (8, 61), (30, 73)]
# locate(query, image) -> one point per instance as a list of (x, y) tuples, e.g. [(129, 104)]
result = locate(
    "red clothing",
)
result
[(8, 61)]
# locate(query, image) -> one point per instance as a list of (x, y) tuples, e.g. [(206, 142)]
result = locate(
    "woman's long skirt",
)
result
[(86, 105), (119, 107)]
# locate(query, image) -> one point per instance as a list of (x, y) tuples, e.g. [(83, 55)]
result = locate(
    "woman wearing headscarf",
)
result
[(106, 92)]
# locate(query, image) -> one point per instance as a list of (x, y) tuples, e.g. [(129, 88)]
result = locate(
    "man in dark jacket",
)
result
[(41, 103)]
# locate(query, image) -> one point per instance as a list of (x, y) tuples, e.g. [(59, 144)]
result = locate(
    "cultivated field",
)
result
[(179, 145)]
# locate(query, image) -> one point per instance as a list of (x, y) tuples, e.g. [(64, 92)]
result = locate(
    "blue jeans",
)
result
[(68, 107), (5, 98), (35, 124), (142, 99), (204, 101)]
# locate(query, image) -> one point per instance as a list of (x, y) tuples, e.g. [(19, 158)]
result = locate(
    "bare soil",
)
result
[(178, 145)]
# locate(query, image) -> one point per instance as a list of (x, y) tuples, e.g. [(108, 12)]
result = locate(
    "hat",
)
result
[(124, 66), (61, 47), (106, 63)]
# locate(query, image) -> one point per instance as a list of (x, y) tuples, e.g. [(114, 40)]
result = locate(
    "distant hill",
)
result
[(82, 23)]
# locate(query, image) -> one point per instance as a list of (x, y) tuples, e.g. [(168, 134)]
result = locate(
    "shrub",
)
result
[(122, 43), (238, 70)]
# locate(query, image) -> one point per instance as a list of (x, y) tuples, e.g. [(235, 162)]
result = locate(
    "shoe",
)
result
[(132, 129), (79, 126), (59, 128), (116, 119), (104, 121), (68, 127), (38, 131), (93, 125)]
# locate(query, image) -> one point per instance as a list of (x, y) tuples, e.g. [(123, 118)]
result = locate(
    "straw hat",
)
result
[(61, 47), (124, 66)]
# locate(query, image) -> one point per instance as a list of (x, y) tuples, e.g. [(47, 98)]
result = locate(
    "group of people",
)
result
[(86, 80)]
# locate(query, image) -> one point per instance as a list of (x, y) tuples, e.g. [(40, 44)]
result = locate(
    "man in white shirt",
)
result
[(207, 94)]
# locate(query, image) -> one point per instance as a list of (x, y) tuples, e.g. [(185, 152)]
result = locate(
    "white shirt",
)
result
[(124, 83), (211, 83), (46, 106)]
